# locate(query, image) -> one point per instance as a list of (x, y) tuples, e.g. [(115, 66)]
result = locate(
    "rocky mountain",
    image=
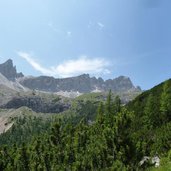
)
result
[(14, 85), (38, 104), (40, 93), (82, 84), (9, 71)]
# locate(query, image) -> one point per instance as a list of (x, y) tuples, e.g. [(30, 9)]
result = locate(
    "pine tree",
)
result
[(24, 158), (109, 103), (116, 105), (151, 114), (100, 114)]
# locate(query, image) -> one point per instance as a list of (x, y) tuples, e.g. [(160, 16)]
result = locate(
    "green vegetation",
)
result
[(24, 129), (84, 146), (94, 135)]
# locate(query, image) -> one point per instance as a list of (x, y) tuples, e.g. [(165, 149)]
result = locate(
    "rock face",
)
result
[(9, 71), (37, 104), (83, 84), (15, 88)]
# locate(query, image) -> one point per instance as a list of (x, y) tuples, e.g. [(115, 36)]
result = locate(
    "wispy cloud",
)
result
[(98, 25), (101, 25), (52, 26), (69, 33), (59, 31), (35, 64), (83, 64)]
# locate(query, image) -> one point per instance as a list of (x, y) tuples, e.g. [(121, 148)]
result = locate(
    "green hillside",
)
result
[(152, 122), (103, 135)]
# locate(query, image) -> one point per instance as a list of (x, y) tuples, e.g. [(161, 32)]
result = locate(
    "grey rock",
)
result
[(153, 160), (144, 160), (156, 161), (9, 71), (83, 84), (37, 104)]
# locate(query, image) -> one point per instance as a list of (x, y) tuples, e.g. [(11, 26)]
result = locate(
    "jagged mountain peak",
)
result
[(9, 70), (9, 62), (83, 83)]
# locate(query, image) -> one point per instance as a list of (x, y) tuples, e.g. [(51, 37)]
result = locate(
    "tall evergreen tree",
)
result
[(100, 114), (109, 103), (24, 159), (151, 113), (116, 105)]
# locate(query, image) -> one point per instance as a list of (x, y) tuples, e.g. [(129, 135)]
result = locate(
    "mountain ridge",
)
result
[(38, 93), (82, 83)]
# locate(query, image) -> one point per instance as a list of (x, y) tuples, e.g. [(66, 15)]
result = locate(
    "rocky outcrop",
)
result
[(37, 104), (83, 84), (9, 71), (150, 161)]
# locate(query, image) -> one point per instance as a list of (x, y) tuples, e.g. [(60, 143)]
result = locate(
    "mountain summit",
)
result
[(9, 71)]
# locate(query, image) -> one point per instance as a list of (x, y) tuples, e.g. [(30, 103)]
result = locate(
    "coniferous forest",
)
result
[(116, 138)]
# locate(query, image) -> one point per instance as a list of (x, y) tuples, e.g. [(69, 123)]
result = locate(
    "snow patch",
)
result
[(70, 94)]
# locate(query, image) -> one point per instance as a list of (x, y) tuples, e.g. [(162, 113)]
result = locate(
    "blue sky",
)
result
[(106, 38)]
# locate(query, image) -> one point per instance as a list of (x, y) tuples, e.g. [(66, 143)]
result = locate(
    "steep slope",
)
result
[(7, 117), (21, 125), (152, 120), (153, 96), (9, 71), (39, 103), (13, 96), (14, 85)]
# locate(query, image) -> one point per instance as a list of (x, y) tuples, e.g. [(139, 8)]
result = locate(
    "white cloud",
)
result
[(101, 25), (70, 68), (80, 66), (34, 64), (69, 33)]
